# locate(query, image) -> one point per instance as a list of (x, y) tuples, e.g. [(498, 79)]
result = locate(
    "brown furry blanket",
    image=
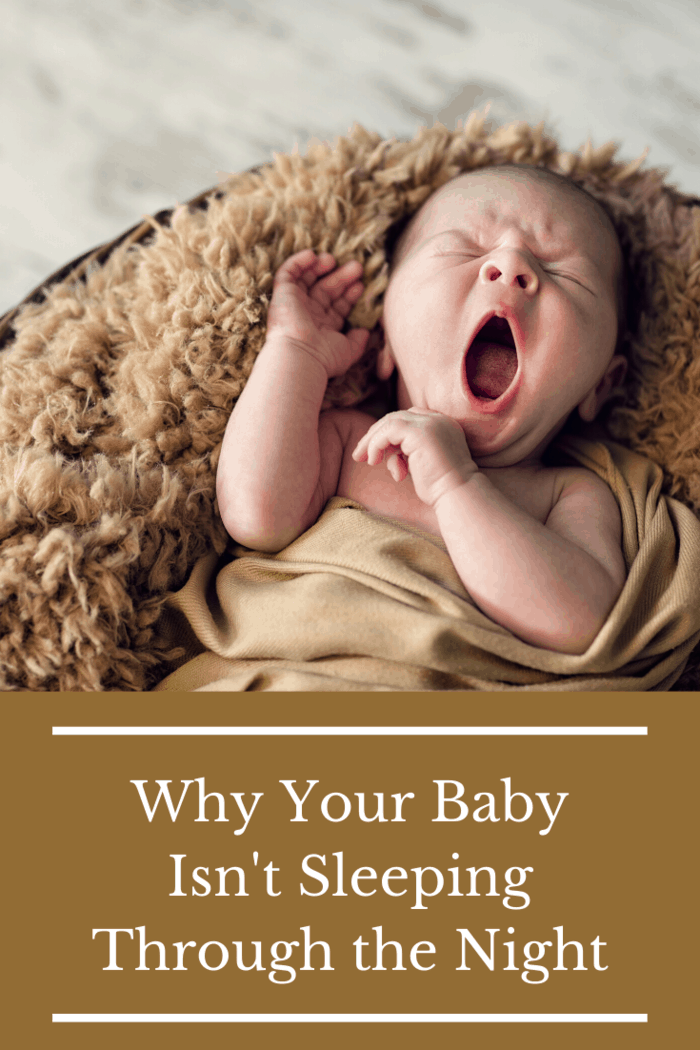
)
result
[(115, 390)]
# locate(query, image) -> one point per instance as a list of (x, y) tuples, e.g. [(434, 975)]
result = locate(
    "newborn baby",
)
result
[(501, 316)]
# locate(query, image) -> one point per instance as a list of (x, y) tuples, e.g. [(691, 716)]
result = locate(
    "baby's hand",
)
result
[(309, 309), (428, 445)]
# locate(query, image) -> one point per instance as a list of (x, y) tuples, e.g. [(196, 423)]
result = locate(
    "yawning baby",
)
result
[(502, 315)]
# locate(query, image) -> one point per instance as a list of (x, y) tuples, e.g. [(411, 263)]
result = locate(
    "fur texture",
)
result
[(115, 390)]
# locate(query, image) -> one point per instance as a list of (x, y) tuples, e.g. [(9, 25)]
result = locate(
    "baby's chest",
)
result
[(375, 489)]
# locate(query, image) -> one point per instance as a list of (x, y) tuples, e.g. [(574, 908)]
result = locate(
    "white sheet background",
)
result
[(110, 109)]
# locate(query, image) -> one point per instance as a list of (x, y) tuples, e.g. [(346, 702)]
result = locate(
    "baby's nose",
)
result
[(512, 270)]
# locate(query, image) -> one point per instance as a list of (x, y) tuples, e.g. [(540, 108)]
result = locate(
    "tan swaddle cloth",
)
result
[(360, 602)]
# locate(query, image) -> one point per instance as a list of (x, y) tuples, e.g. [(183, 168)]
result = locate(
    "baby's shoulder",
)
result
[(582, 483), (581, 494), (587, 513)]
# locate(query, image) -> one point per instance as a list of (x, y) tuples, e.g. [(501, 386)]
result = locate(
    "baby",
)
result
[(501, 316)]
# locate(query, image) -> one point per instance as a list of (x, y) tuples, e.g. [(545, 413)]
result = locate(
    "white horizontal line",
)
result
[(346, 1018), (349, 730)]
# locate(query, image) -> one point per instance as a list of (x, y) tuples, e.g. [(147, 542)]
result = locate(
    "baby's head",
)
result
[(505, 308)]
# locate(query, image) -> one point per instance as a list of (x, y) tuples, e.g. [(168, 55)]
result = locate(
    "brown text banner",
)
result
[(417, 860)]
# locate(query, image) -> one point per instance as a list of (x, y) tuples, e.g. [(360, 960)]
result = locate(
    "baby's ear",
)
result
[(594, 400)]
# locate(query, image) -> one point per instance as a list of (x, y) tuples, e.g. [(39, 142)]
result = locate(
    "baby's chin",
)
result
[(525, 452), (498, 449)]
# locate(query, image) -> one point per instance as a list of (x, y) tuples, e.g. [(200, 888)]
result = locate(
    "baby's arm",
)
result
[(278, 452), (552, 585)]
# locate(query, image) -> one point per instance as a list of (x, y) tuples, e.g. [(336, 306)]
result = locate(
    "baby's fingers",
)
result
[(377, 447), (339, 281), (340, 289), (304, 266), (397, 466), (360, 451), (371, 446)]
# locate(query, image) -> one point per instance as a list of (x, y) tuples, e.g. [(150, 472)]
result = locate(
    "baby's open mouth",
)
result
[(492, 359)]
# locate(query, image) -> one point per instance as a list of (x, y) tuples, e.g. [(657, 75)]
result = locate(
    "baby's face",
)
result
[(505, 245)]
